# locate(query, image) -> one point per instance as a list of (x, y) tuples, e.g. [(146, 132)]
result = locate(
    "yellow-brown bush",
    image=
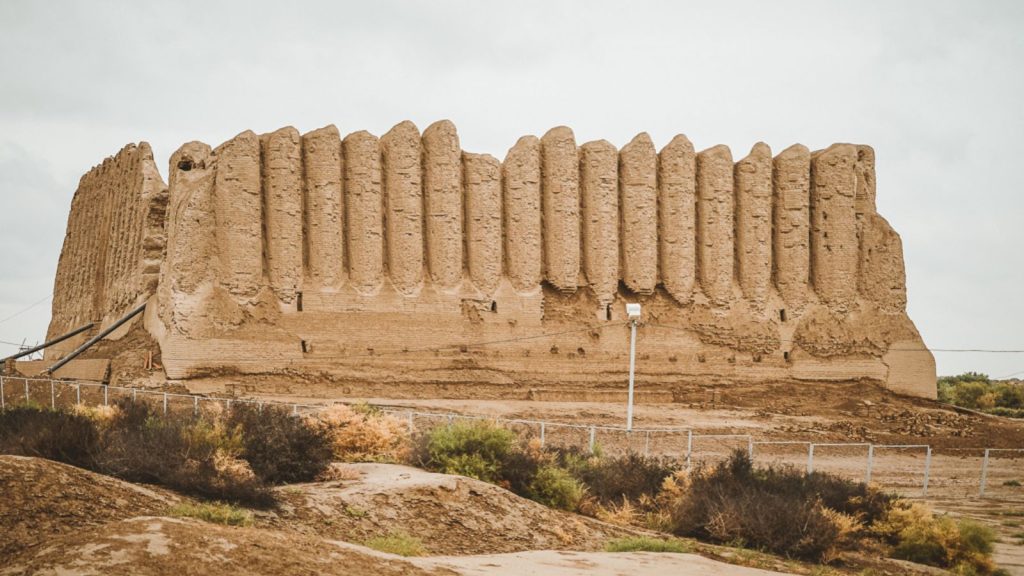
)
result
[(363, 435)]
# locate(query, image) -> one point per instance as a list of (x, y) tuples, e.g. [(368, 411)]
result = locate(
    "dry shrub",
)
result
[(101, 415), (363, 435), (193, 455), (920, 536), (631, 477), (279, 446), (778, 510), (44, 433), (623, 514)]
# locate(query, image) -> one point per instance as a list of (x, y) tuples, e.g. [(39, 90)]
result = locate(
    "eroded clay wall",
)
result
[(321, 252), (114, 244)]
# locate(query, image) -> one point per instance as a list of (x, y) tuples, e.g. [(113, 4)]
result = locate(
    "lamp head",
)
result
[(633, 311)]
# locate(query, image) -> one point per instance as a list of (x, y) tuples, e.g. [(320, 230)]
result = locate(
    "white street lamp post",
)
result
[(633, 313)]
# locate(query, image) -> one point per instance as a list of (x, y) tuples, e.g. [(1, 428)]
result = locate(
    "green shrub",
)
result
[(399, 543), (279, 446), (647, 544), (476, 449), (215, 512), (556, 488), (44, 433)]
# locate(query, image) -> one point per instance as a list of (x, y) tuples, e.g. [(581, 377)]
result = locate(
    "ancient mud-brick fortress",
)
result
[(405, 261)]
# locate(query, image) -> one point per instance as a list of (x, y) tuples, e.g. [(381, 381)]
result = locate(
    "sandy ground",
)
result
[(562, 563)]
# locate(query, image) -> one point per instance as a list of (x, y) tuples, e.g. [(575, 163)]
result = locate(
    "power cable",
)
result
[(23, 310)]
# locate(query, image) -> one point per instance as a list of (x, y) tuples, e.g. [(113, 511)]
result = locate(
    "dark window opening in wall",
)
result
[(608, 312), (305, 347), (494, 306), (785, 356), (185, 165), (782, 314), (298, 301)]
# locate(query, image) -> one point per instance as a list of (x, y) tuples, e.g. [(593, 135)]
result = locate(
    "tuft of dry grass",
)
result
[(363, 435)]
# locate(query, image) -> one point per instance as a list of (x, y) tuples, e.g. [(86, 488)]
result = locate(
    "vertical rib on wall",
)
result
[(325, 207), (239, 214), (522, 200), (561, 203), (792, 177), (754, 224), (638, 183), (104, 264), (715, 223), (600, 198), (442, 184), (190, 232), (363, 206), (483, 220), (282, 184), (834, 252), (677, 209), (403, 194)]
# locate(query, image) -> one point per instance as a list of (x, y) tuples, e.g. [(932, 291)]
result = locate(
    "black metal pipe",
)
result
[(103, 334), (49, 343)]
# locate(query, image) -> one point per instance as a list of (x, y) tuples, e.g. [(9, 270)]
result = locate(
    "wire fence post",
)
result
[(927, 470), (542, 439), (408, 420), (28, 399), (871, 462), (984, 474), (195, 405), (647, 443), (165, 403), (3, 403), (259, 408), (810, 459), (134, 390), (593, 432), (105, 390), (295, 409), (78, 393), (689, 447), (750, 447)]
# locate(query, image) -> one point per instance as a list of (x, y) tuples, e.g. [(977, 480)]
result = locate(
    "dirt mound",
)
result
[(170, 546), (43, 499), (452, 515)]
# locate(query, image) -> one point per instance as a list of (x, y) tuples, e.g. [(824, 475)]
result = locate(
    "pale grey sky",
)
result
[(937, 87)]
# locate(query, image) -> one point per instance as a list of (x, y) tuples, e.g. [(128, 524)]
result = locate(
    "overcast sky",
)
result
[(936, 87)]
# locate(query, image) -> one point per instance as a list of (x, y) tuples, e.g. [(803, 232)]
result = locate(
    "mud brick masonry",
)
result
[(389, 258)]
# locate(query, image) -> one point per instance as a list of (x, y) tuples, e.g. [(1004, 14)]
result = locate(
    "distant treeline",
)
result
[(979, 392)]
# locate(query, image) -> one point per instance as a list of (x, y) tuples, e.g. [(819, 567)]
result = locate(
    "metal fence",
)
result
[(910, 469)]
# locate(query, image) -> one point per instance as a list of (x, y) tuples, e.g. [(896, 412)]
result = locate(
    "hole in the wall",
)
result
[(824, 215), (298, 301), (494, 306), (785, 356), (580, 351), (782, 314), (607, 312), (305, 347), (185, 165)]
